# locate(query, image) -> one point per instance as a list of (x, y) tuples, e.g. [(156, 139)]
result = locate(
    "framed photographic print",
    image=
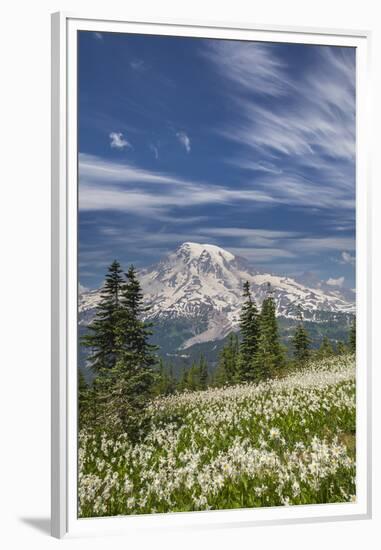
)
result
[(210, 275)]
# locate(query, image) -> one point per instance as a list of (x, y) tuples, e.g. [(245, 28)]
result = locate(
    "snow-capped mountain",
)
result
[(202, 283)]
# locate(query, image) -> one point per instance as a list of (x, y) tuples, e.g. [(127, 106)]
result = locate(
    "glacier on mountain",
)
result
[(204, 282)]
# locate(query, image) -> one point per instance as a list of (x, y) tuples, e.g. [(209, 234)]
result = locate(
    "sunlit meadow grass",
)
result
[(285, 442)]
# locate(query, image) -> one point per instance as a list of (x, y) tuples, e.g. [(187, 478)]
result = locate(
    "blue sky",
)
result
[(246, 145)]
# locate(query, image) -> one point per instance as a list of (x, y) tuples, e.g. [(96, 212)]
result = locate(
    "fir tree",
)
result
[(270, 354), (183, 380), (301, 342), (131, 382), (161, 379), (203, 373), (227, 368), (121, 355), (133, 332), (102, 336), (352, 337), (249, 333), (124, 393), (193, 377), (341, 348), (166, 382), (84, 399), (326, 349), (172, 380)]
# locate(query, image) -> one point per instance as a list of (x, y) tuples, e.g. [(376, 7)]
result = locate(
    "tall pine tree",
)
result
[(133, 332), (301, 341), (132, 381), (249, 333), (227, 368), (270, 357), (203, 373), (340, 348), (121, 355), (326, 349), (102, 336)]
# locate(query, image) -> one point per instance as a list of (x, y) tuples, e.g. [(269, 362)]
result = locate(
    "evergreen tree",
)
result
[(161, 379), (270, 357), (249, 333), (227, 368), (301, 342), (193, 377), (352, 337), (102, 336), (326, 349), (130, 384), (124, 391), (172, 380), (183, 380), (341, 348), (133, 332), (84, 399), (121, 355), (203, 373), (166, 382)]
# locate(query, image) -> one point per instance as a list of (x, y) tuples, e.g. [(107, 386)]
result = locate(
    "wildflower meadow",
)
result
[(284, 441)]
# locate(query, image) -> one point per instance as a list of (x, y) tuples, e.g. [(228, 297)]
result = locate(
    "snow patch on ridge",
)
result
[(204, 282)]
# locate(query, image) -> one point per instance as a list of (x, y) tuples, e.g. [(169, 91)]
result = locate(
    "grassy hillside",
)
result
[(287, 441)]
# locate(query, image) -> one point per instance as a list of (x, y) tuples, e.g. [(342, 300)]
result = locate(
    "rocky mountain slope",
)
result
[(201, 285)]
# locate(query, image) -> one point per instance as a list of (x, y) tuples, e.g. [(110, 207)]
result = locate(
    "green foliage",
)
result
[(227, 368), (121, 356), (249, 326), (85, 400), (123, 393), (165, 380), (196, 377), (270, 358), (341, 348), (284, 441), (325, 350), (102, 336), (133, 333), (203, 373), (301, 342), (352, 336)]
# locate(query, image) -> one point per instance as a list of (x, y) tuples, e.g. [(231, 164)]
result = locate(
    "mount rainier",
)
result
[(198, 287)]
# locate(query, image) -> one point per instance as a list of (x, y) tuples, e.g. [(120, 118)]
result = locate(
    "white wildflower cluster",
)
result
[(283, 442)]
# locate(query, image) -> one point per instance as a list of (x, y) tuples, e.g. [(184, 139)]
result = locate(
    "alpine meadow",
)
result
[(216, 265)]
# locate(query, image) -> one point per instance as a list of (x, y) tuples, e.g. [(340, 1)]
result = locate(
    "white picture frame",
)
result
[(64, 277)]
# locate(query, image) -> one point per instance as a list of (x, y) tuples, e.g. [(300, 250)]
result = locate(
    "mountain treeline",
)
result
[(128, 372)]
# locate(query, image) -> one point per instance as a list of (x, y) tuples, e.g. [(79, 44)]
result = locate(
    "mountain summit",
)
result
[(201, 285)]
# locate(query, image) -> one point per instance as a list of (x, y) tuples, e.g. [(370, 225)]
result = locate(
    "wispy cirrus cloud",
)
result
[(285, 244), (320, 107), (262, 255), (251, 237), (305, 143), (108, 185), (250, 65)]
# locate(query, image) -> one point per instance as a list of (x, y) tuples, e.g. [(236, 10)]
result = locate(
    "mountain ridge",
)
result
[(202, 284)]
